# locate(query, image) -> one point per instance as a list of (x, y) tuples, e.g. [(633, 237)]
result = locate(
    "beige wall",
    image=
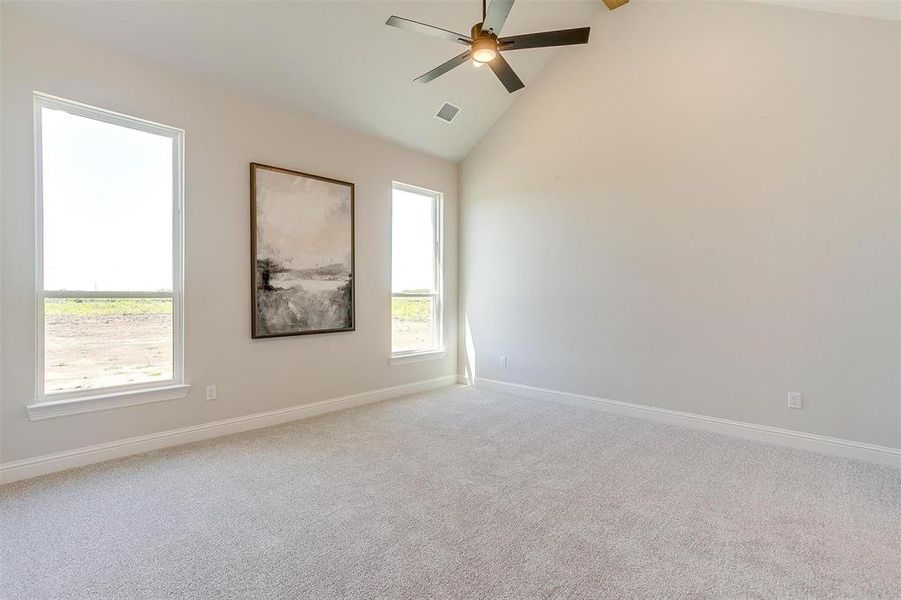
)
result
[(698, 211), (224, 133)]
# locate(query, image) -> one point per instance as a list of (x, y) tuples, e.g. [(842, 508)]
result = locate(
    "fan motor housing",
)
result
[(483, 43)]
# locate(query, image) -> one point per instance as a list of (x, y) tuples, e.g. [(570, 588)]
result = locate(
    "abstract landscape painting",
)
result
[(302, 238)]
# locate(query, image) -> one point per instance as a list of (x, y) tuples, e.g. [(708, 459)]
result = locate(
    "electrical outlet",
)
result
[(211, 392), (795, 400), (502, 361)]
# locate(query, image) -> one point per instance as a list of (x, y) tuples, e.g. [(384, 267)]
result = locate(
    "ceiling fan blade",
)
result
[(611, 4), (429, 30), (505, 73), (443, 68), (497, 15), (564, 37)]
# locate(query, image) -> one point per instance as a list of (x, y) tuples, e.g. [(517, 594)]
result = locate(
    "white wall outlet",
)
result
[(211, 392), (502, 361), (795, 400)]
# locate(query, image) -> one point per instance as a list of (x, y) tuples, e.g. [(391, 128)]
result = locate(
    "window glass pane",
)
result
[(412, 322), (412, 243), (107, 201), (94, 343)]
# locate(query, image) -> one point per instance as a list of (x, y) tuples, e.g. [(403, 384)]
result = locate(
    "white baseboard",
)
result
[(60, 461), (784, 437)]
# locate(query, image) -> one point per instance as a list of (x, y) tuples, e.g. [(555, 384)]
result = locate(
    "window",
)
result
[(109, 252), (416, 255)]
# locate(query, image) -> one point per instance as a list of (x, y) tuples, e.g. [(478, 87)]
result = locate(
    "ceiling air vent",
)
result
[(447, 112)]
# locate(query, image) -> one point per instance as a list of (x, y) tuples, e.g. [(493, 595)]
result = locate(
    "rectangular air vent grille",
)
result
[(447, 112)]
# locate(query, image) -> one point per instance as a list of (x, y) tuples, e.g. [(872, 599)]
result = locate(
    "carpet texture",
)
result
[(458, 493)]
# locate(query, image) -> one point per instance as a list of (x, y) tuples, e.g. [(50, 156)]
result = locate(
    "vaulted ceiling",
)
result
[(337, 59)]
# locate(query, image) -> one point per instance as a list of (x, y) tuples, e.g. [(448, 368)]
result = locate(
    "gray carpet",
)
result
[(458, 493)]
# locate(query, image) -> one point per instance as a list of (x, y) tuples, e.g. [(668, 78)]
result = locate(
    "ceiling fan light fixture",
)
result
[(484, 49), (484, 56)]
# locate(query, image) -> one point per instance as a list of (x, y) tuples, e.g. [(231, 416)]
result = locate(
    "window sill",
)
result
[(73, 406), (415, 357)]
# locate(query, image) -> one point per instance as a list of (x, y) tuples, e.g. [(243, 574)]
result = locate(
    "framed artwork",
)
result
[(302, 253)]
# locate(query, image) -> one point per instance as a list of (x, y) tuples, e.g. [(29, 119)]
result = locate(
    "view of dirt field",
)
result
[(410, 335), (106, 342), (411, 326), (96, 343)]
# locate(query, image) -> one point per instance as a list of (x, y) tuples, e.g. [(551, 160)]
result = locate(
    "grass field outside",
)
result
[(107, 306)]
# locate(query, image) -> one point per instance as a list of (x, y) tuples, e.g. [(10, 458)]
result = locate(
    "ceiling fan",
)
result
[(485, 46)]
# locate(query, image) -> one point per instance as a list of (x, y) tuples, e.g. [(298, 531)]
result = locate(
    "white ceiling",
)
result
[(335, 59), (877, 9), (338, 60)]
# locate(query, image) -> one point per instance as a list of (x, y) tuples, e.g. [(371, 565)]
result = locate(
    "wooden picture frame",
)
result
[(301, 253)]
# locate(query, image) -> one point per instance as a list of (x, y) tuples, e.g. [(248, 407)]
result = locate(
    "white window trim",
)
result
[(439, 351), (403, 358), (53, 405)]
